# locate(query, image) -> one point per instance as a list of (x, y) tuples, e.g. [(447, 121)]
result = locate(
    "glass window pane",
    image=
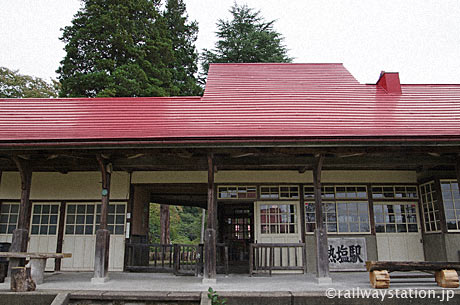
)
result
[(89, 219), (332, 227), (11, 228), (46, 209), (79, 229), (81, 208), (52, 230), (88, 230), (43, 230), (120, 208), (364, 227), (120, 219), (5, 209), (412, 228), (14, 209), (119, 229), (36, 219), (90, 209), (69, 230), (54, 209), (80, 219), (354, 227), (401, 228), (37, 208), (71, 209), (45, 219), (390, 228), (70, 219), (34, 230), (53, 219)]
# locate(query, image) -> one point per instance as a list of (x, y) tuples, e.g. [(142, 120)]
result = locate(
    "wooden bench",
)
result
[(37, 261), (445, 273)]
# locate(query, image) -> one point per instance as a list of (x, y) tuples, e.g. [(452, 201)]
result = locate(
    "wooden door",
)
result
[(237, 223), (398, 232)]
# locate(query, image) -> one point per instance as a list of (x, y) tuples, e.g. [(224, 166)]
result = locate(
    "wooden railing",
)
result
[(188, 259), (150, 257), (180, 259), (267, 257)]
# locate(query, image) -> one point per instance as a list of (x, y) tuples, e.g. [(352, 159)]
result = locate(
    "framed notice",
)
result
[(347, 254)]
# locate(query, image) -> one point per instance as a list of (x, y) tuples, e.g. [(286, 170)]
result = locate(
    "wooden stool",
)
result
[(21, 280)]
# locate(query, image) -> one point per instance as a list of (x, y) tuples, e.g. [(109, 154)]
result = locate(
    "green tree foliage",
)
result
[(247, 37), (117, 48), (15, 85), (183, 35), (185, 224)]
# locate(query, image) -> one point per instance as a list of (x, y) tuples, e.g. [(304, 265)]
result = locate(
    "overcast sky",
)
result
[(420, 39)]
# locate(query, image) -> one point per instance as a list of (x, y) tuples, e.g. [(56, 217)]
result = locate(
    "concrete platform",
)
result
[(151, 288), (126, 281)]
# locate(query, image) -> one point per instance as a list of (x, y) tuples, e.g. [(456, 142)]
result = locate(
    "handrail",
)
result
[(267, 257)]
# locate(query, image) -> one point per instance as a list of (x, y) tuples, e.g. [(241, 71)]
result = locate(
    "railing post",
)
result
[(176, 265), (251, 259), (304, 258)]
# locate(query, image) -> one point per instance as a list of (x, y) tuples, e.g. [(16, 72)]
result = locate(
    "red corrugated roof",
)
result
[(246, 101)]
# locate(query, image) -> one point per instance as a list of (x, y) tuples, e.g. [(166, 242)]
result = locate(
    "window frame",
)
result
[(395, 223), (278, 224), (8, 223), (48, 224), (279, 192), (96, 218), (435, 207), (455, 210)]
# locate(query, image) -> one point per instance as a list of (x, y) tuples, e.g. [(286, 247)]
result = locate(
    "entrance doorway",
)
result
[(398, 231), (237, 233)]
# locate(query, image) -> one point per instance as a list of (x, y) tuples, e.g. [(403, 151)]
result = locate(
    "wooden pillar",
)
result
[(101, 256), (21, 233), (210, 235), (60, 237), (165, 237), (302, 213), (322, 260)]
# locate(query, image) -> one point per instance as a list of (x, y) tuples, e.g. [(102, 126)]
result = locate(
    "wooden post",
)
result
[(21, 233), (210, 235), (322, 260), (101, 255), (60, 237), (165, 238)]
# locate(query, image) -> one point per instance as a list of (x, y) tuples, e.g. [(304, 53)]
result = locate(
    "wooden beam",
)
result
[(322, 260), (210, 236)]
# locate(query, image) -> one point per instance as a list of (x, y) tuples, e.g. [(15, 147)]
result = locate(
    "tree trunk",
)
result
[(165, 237), (21, 280)]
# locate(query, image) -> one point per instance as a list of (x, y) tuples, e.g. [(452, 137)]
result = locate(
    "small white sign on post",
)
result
[(347, 254)]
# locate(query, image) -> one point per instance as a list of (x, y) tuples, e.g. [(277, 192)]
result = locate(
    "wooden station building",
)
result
[(276, 153)]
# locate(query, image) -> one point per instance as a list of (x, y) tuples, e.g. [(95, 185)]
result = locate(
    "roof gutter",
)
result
[(237, 142)]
